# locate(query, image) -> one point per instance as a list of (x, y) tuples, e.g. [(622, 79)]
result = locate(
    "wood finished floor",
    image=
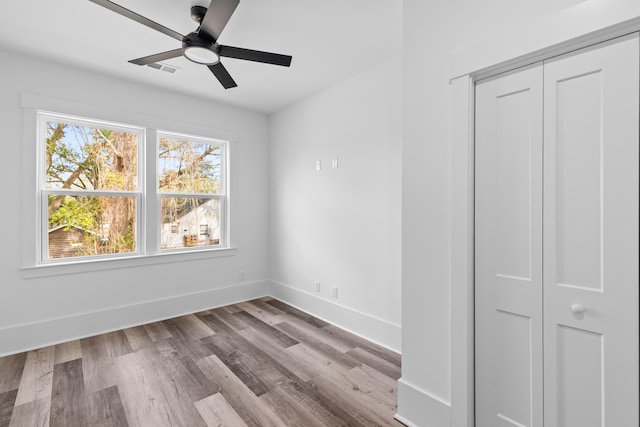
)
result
[(257, 363)]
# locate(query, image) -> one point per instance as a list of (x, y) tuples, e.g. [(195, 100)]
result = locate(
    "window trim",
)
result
[(31, 267)]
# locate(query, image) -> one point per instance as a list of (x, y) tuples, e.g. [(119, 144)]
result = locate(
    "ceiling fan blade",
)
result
[(222, 75), (138, 18), (157, 57), (255, 55), (216, 18)]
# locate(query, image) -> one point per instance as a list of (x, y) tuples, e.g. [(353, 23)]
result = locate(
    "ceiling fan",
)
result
[(200, 46)]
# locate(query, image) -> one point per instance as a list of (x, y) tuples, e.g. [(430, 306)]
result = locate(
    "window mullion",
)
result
[(151, 198)]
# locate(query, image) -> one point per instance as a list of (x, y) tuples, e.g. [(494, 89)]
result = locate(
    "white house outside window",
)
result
[(105, 193)]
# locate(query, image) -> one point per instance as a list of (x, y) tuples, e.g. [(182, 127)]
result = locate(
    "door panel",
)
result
[(509, 250), (591, 111), (578, 174), (579, 385)]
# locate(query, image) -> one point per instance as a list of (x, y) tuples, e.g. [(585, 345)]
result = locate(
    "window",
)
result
[(191, 188), (99, 200), (90, 195)]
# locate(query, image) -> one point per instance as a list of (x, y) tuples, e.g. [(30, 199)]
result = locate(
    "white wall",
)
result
[(340, 226), (81, 304), (433, 32)]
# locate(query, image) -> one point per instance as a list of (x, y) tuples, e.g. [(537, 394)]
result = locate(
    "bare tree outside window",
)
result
[(82, 163)]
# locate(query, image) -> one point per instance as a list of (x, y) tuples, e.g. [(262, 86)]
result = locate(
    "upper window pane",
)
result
[(86, 157), (188, 166)]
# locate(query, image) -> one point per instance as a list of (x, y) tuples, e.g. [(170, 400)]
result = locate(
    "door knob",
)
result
[(577, 308)]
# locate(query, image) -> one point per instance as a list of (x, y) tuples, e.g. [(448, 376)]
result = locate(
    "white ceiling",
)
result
[(330, 41)]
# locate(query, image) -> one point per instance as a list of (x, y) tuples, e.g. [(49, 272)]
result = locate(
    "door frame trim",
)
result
[(598, 21)]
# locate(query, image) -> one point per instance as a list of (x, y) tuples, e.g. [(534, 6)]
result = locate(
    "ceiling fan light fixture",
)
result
[(200, 52)]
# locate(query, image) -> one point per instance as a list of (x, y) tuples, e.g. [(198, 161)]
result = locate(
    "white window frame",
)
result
[(148, 237), (43, 119), (222, 196)]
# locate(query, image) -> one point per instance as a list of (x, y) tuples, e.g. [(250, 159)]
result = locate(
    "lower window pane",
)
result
[(190, 222), (91, 225)]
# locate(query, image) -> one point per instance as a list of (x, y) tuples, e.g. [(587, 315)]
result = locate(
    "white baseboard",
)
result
[(30, 336), (417, 407), (19, 338), (364, 325)]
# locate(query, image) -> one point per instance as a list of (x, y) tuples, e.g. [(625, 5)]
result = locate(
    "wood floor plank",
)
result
[(313, 321), (32, 414), (141, 398), (263, 369), (97, 364), (180, 370), (116, 344), (185, 388), (68, 403), (263, 305), (11, 368), (231, 309), (106, 410), (188, 327), (248, 406), (317, 361), (277, 336), (67, 351), (362, 406), (330, 411), (37, 376), (289, 411), (300, 369), (138, 338), (356, 341), (157, 331), (312, 341), (229, 319), (379, 386), (7, 402), (151, 396), (187, 353), (241, 366), (216, 412), (267, 316), (387, 368), (183, 349), (320, 334)]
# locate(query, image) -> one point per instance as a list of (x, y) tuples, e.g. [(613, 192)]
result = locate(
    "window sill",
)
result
[(46, 270)]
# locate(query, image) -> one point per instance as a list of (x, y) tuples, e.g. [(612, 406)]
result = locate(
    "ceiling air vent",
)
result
[(163, 67)]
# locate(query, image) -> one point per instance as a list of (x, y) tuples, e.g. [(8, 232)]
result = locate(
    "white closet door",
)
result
[(591, 237), (509, 250)]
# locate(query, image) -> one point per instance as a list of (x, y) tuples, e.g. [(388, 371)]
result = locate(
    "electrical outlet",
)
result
[(317, 285), (242, 275), (318, 165), (334, 292)]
